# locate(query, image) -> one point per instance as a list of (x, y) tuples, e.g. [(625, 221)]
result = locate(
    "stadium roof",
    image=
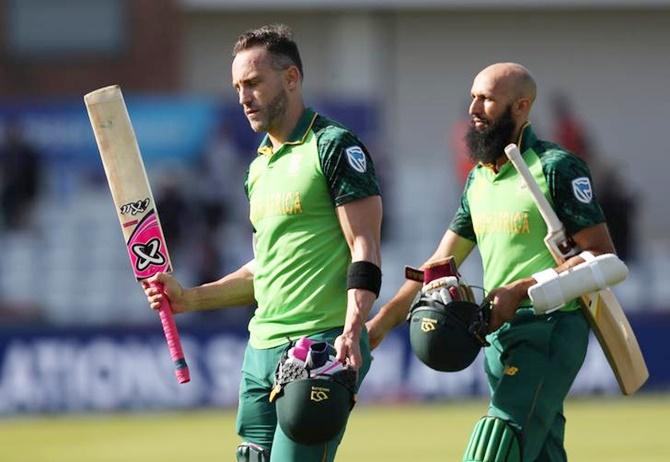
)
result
[(420, 4)]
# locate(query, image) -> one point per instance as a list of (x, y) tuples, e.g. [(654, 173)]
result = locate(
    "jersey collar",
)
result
[(527, 138), (298, 135)]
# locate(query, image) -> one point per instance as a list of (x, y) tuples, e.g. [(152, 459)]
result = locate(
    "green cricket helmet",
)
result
[(313, 393), (447, 337), (314, 411)]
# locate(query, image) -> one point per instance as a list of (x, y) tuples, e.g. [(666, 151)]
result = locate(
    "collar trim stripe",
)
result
[(299, 135), (303, 136)]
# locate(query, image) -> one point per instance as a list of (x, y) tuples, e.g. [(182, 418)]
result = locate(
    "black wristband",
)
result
[(364, 275)]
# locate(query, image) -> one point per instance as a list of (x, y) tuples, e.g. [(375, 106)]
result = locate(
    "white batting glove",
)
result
[(441, 281), (444, 289)]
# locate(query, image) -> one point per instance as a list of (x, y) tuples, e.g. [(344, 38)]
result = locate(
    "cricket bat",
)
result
[(135, 206), (602, 309)]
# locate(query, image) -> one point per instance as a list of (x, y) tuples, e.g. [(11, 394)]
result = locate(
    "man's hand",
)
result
[(171, 289), (349, 350), (438, 280), (505, 301)]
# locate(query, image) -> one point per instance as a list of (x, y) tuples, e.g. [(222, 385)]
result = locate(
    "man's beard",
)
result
[(487, 145), (273, 113)]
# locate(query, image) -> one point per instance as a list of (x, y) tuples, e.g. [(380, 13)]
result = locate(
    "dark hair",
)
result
[(275, 38)]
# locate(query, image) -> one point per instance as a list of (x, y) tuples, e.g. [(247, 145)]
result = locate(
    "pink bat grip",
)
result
[(172, 338)]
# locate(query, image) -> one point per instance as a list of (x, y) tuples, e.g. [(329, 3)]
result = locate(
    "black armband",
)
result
[(364, 275)]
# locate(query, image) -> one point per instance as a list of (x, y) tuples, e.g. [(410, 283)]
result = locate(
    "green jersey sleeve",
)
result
[(571, 188), (347, 166), (461, 223)]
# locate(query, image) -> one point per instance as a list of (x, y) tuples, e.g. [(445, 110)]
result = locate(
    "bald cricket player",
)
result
[(316, 210), (533, 358)]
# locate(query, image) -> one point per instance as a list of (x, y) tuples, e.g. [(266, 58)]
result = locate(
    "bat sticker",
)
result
[(135, 207), (148, 254), (147, 249)]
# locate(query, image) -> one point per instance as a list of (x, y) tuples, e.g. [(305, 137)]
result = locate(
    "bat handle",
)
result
[(172, 337)]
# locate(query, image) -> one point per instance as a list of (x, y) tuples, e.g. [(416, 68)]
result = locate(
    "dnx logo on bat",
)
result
[(136, 207)]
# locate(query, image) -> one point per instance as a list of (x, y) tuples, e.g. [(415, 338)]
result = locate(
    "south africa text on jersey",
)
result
[(276, 204), (501, 222)]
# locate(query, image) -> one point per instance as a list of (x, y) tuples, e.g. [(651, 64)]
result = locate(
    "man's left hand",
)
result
[(505, 301), (349, 350)]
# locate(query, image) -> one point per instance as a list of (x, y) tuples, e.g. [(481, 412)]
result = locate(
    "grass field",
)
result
[(612, 430)]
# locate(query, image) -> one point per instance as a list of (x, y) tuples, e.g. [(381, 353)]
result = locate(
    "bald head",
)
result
[(510, 79)]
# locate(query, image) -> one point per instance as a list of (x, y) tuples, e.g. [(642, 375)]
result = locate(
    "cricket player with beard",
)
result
[(316, 210), (533, 358)]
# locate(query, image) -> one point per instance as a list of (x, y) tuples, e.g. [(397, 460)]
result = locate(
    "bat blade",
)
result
[(622, 351), (133, 200), (602, 309)]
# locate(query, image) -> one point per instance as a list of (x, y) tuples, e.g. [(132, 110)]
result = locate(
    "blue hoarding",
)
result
[(167, 128), (45, 369)]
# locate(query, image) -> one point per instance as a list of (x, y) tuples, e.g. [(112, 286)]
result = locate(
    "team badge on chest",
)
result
[(581, 188), (356, 158)]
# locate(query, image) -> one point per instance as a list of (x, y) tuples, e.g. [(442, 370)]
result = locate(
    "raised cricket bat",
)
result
[(602, 309), (134, 202)]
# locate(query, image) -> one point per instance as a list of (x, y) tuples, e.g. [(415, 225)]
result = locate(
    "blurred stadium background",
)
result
[(76, 335)]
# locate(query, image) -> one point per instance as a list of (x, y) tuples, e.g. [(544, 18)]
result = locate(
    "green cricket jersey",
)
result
[(300, 251), (498, 213)]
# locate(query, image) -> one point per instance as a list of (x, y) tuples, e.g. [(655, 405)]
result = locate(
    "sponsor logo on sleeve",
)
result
[(581, 188), (356, 158)]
